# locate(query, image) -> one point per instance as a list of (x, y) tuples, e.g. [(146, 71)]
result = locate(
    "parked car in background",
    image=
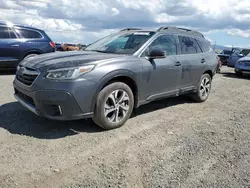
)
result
[(82, 46), (18, 42), (235, 55), (224, 55), (243, 66), (116, 74), (70, 47), (59, 47)]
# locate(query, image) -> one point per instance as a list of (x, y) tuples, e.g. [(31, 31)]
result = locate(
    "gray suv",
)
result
[(116, 74)]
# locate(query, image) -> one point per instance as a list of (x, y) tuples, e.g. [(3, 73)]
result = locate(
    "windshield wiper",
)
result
[(99, 51)]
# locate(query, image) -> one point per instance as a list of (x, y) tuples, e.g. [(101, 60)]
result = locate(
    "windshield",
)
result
[(121, 43), (245, 52), (227, 52)]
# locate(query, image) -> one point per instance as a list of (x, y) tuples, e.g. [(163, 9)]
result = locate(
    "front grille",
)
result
[(26, 75), (25, 97)]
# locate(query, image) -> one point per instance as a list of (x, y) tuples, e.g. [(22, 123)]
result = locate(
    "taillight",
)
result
[(52, 44), (219, 61)]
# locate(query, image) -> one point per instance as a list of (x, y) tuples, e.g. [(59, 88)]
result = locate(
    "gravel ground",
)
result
[(169, 143)]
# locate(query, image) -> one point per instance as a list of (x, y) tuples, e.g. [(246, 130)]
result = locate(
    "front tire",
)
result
[(114, 105), (204, 88)]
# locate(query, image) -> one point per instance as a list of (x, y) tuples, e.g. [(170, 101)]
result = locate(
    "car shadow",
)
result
[(7, 72), (17, 120), (233, 75)]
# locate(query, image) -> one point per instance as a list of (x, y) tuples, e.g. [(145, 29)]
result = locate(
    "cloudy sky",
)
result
[(225, 21)]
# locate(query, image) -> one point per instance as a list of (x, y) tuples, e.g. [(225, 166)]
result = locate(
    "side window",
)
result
[(236, 51), (204, 46), (189, 45), (164, 42), (28, 34), (6, 33)]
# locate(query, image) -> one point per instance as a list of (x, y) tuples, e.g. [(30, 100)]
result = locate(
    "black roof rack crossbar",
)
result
[(167, 28), (184, 29), (178, 30), (130, 29)]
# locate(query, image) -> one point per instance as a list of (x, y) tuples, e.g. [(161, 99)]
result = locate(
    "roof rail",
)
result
[(14, 24), (183, 30), (130, 29), (5, 22)]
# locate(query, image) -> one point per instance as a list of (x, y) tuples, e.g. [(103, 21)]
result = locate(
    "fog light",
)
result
[(54, 110)]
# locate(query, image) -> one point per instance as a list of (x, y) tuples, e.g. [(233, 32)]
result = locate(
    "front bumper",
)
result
[(52, 103)]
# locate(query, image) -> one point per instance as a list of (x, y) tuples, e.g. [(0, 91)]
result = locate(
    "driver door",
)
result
[(160, 76), (234, 57)]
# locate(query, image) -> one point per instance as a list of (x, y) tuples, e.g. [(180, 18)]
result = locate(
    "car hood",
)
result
[(244, 59), (223, 55), (58, 60)]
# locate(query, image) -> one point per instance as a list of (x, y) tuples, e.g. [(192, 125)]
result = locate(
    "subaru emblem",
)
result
[(21, 69)]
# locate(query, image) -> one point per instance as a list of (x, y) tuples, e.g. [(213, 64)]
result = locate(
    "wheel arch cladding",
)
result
[(209, 72), (38, 52), (126, 77)]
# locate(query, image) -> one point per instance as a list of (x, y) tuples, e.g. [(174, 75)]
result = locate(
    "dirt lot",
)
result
[(168, 143)]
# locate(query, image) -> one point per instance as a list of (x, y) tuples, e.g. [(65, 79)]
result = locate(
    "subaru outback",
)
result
[(116, 74), (18, 42)]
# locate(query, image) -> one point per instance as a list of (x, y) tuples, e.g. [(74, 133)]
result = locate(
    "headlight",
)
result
[(68, 73)]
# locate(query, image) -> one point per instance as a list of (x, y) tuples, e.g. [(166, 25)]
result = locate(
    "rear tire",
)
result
[(239, 74), (204, 88), (114, 105)]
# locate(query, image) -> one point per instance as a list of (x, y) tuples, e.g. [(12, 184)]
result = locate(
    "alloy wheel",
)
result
[(116, 106), (205, 87)]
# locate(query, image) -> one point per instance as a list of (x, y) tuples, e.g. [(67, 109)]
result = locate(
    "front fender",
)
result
[(112, 75)]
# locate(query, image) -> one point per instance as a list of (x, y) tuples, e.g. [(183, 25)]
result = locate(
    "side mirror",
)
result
[(241, 55), (157, 54)]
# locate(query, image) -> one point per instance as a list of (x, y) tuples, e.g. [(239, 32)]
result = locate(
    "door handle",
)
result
[(203, 60), (15, 45), (177, 63)]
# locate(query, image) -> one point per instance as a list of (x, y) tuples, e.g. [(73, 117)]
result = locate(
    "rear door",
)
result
[(9, 48), (208, 55), (32, 41), (192, 63)]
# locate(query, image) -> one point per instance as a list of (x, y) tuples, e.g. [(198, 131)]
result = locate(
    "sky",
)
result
[(224, 22)]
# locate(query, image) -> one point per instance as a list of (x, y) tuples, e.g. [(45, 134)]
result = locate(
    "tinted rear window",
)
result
[(228, 52), (204, 46), (28, 34), (6, 33), (189, 45)]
